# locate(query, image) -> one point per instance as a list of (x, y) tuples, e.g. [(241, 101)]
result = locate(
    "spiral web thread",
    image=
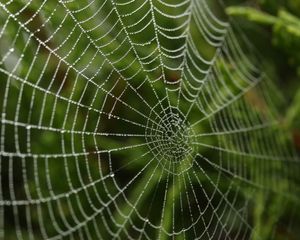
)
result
[(135, 120)]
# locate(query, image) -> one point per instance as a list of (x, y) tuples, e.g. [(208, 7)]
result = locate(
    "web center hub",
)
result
[(170, 139)]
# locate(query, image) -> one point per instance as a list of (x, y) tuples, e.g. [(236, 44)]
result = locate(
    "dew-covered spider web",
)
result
[(139, 119)]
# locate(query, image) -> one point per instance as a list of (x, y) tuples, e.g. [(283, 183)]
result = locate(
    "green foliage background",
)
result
[(275, 25)]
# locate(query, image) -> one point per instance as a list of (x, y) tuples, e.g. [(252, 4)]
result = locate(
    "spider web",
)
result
[(127, 119)]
